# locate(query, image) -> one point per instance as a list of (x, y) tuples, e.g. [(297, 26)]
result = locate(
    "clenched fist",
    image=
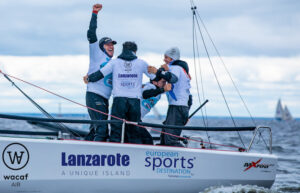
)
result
[(165, 66), (167, 87), (85, 79), (97, 8), (152, 70)]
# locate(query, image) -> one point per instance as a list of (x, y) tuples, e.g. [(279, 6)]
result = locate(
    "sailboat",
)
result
[(57, 164), (287, 114), (282, 114)]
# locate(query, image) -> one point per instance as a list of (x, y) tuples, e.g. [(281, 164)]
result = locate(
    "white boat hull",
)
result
[(54, 166)]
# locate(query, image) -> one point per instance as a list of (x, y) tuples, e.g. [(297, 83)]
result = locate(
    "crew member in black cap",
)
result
[(98, 92)]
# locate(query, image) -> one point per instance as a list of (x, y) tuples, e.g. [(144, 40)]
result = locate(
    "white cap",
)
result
[(173, 53)]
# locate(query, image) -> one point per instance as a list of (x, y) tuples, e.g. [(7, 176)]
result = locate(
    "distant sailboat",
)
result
[(287, 114), (282, 114)]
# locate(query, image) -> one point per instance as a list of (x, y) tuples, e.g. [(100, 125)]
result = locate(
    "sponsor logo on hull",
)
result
[(170, 163), (95, 165), (15, 156), (256, 164), (94, 160)]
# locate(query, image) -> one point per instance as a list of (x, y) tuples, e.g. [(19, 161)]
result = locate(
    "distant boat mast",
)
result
[(59, 110), (282, 114)]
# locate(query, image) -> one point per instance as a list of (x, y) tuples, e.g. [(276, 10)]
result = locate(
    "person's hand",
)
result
[(165, 66), (85, 79), (97, 8), (152, 70), (168, 87)]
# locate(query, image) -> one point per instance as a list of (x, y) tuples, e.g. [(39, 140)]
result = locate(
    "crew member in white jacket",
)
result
[(98, 93), (127, 72), (152, 92), (179, 97)]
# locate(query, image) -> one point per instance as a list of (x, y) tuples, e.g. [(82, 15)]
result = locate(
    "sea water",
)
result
[(286, 145)]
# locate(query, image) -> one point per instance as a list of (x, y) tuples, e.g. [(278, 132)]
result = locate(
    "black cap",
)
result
[(130, 46), (107, 40), (156, 79)]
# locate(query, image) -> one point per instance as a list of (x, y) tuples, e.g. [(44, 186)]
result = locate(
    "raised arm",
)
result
[(91, 33)]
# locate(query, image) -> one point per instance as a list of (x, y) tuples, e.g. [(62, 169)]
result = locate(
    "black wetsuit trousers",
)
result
[(176, 115), (129, 109), (98, 132)]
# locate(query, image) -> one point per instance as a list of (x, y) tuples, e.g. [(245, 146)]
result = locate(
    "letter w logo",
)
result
[(15, 157)]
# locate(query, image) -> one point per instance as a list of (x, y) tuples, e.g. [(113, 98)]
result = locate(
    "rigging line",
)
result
[(194, 8), (218, 80), (128, 122), (201, 77), (195, 139), (195, 38), (236, 88), (205, 110), (227, 71), (194, 53), (62, 126), (75, 101)]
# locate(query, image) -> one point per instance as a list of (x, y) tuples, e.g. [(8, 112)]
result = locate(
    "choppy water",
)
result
[(286, 145)]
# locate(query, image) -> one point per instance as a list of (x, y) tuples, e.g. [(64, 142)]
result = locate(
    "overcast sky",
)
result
[(45, 42)]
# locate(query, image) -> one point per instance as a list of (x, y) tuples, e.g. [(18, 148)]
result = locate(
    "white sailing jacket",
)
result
[(127, 77), (98, 59), (179, 95)]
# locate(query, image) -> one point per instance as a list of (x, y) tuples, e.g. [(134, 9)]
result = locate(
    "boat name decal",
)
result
[(95, 159)]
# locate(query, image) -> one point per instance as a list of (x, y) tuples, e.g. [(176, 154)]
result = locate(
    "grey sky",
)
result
[(259, 40), (239, 28)]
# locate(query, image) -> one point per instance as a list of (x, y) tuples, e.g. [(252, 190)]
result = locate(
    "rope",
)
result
[(60, 125), (205, 121), (227, 71), (215, 75), (128, 122)]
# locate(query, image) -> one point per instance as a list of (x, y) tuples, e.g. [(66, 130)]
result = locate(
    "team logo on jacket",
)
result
[(128, 66), (15, 156)]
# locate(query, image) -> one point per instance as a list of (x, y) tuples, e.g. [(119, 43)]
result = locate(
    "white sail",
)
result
[(287, 114), (279, 115)]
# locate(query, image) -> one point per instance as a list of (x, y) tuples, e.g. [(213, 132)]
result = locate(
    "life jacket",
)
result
[(183, 65)]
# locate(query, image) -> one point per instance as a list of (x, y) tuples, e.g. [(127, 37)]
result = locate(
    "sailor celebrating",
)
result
[(151, 95), (179, 97), (127, 78), (98, 92)]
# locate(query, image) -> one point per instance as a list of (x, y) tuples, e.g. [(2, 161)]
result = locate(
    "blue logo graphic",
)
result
[(108, 78), (149, 103), (104, 63)]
